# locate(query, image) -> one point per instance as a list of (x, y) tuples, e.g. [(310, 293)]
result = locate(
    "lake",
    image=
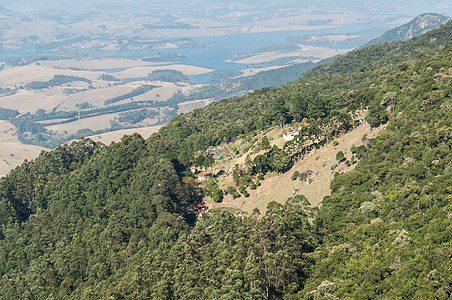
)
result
[(223, 48)]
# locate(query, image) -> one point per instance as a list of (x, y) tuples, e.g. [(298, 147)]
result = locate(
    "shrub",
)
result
[(242, 189), (252, 185), (340, 157), (233, 192)]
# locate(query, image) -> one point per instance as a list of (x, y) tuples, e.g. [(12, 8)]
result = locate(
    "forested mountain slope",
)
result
[(89, 221), (343, 85), (388, 223)]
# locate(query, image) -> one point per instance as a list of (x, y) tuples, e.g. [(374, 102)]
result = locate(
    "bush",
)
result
[(242, 189), (256, 211), (233, 192), (340, 157), (252, 185), (295, 175)]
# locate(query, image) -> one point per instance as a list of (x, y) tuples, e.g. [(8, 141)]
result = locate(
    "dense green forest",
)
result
[(168, 76), (57, 80), (88, 221)]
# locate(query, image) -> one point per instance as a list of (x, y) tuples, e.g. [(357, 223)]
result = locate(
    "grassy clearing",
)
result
[(279, 187)]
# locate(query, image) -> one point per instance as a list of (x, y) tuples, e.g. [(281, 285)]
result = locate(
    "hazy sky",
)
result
[(407, 7)]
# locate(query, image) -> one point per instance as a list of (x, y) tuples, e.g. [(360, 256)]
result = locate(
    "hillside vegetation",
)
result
[(89, 221)]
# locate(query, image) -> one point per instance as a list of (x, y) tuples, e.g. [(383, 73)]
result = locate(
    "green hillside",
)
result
[(87, 221)]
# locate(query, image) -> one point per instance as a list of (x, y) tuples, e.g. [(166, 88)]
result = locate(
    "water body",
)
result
[(223, 48)]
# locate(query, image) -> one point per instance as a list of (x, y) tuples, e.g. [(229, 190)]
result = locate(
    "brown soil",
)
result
[(279, 187)]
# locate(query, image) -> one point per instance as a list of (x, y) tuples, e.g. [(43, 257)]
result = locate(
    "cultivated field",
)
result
[(80, 95)]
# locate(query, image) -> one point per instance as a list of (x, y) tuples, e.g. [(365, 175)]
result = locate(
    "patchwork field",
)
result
[(67, 96)]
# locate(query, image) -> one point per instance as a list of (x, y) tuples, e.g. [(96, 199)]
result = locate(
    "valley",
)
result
[(86, 101)]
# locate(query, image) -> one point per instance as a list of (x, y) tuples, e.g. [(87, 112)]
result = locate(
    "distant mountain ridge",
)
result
[(419, 25)]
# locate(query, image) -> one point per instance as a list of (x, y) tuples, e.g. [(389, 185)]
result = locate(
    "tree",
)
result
[(265, 143), (215, 192), (280, 160), (236, 174), (279, 111), (200, 161), (243, 191), (209, 161), (261, 163)]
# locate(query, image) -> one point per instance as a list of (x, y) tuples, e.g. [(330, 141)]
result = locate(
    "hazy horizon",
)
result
[(401, 7)]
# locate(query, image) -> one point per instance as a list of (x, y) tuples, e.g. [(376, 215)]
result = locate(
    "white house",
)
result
[(290, 135)]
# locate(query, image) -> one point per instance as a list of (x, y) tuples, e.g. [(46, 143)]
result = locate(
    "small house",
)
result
[(203, 175), (198, 209), (290, 134), (219, 154)]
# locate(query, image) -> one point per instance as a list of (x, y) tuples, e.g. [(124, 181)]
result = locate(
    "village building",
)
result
[(198, 210), (203, 175), (219, 154), (290, 134)]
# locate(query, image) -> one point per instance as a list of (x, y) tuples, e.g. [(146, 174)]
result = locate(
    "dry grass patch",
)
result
[(279, 187), (107, 63), (139, 72), (93, 123), (29, 101), (115, 136), (12, 151)]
